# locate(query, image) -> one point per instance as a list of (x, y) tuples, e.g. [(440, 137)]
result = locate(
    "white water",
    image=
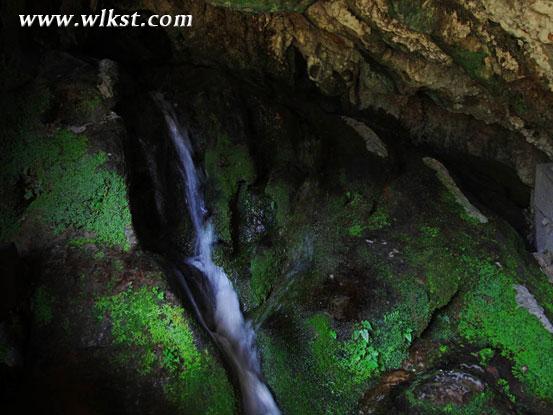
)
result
[(233, 334)]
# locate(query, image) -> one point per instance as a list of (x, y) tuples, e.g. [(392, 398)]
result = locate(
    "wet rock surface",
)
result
[(450, 386)]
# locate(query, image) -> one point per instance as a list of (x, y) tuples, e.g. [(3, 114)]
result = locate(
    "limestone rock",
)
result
[(444, 177), (373, 142), (525, 299), (475, 77)]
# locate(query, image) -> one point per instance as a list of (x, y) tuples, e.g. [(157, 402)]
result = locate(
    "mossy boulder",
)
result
[(370, 294), (228, 165), (121, 333), (58, 176), (96, 319), (361, 263)]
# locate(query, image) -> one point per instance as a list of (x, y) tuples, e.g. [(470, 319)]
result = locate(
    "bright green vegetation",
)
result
[(422, 261), (371, 350), (265, 5), (485, 355), (355, 230), (284, 367), (305, 372), (64, 186), (326, 374), (480, 404), (492, 317), (354, 210), (42, 306), (418, 15), (504, 385), (460, 261), (154, 334), (264, 270), (227, 164), (70, 189)]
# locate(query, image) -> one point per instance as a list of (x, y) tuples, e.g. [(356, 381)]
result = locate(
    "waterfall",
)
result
[(233, 334)]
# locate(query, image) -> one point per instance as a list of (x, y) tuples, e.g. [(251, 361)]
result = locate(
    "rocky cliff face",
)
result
[(473, 77)]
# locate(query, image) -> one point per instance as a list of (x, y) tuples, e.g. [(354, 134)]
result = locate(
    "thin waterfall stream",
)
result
[(234, 335)]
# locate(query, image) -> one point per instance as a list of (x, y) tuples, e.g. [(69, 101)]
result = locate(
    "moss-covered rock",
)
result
[(371, 293), (123, 328), (56, 178), (155, 336), (227, 165), (102, 323)]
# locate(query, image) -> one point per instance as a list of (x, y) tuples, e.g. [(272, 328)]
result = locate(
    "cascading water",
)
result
[(234, 335)]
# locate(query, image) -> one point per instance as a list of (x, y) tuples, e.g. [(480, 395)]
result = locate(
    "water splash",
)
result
[(234, 335)]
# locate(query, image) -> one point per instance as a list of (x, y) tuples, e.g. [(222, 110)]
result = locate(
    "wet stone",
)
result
[(449, 386)]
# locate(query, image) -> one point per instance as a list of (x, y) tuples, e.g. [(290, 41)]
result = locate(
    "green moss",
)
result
[(227, 164), (471, 61), (485, 355), (42, 306), (81, 242), (334, 361), (289, 377), (353, 213), (155, 334), (89, 103), (519, 104), (479, 404), (418, 15), (264, 268), (453, 206), (328, 375), (62, 185), (443, 328), (69, 188), (302, 366), (361, 357), (379, 219), (506, 389), (355, 230), (279, 192), (492, 317), (430, 231), (437, 263)]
